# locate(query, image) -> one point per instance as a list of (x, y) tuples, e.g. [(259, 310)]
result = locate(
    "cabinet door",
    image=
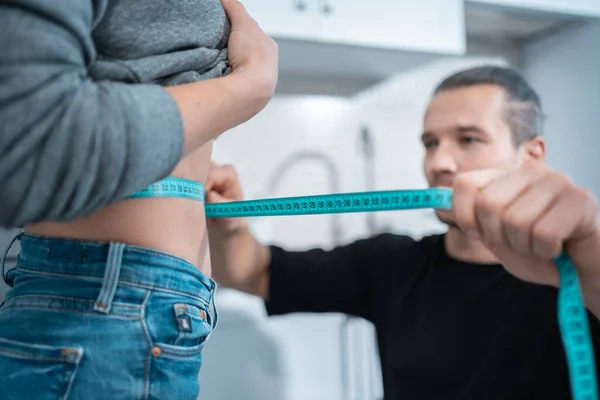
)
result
[(423, 25), (293, 19), (586, 8)]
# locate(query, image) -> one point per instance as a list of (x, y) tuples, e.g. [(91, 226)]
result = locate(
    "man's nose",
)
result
[(443, 159)]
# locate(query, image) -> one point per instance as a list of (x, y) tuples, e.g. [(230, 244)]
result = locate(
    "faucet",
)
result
[(334, 186)]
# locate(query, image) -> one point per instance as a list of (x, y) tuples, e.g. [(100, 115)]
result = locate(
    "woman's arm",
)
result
[(70, 145)]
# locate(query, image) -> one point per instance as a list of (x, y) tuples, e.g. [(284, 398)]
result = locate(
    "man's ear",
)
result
[(534, 149)]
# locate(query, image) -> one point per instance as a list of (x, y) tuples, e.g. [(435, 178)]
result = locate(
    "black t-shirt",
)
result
[(446, 329)]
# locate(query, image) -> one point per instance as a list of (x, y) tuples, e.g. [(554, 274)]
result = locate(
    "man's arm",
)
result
[(350, 279), (345, 279), (70, 145), (239, 261)]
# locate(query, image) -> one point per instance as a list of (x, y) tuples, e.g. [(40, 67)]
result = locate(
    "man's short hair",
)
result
[(524, 109)]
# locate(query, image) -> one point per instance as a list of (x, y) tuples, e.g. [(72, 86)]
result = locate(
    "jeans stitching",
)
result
[(111, 277), (69, 311), (182, 351), (185, 356), (57, 274), (146, 392), (73, 299), (72, 376), (141, 249), (132, 284), (33, 357)]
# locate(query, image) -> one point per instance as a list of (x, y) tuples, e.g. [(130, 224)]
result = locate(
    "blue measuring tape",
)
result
[(171, 187), (572, 314)]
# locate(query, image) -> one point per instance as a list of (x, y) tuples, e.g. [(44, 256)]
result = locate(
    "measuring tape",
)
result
[(572, 314), (575, 332), (172, 187)]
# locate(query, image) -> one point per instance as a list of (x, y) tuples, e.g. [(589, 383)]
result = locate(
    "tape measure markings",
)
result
[(172, 187), (575, 332), (334, 203), (572, 313)]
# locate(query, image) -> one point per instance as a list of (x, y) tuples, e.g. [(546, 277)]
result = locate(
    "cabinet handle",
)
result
[(300, 5), (327, 8)]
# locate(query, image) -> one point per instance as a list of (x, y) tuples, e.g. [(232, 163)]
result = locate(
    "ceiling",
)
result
[(506, 24)]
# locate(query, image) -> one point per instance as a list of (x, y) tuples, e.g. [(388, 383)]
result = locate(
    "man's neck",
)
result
[(460, 247)]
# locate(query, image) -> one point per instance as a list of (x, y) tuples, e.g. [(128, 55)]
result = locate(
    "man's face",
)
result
[(466, 129)]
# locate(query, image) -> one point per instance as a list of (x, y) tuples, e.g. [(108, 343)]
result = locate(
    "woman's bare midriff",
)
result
[(172, 225)]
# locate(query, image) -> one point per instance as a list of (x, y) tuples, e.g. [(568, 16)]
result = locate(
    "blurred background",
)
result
[(355, 78)]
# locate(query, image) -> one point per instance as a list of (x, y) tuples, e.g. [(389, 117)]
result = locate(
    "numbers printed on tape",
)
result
[(334, 203), (437, 198), (172, 187), (572, 314)]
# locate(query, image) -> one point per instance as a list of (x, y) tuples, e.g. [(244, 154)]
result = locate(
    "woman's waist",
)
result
[(69, 267), (172, 225)]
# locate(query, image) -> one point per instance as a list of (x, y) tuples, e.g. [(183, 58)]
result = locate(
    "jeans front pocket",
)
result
[(178, 324), (178, 328), (193, 324), (37, 372)]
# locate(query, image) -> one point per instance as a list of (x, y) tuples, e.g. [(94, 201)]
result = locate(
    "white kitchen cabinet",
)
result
[(584, 8), (431, 26), (435, 26), (340, 47), (290, 19)]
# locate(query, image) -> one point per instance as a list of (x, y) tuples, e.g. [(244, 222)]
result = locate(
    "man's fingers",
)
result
[(466, 188), (493, 200), (219, 177), (224, 180), (214, 197)]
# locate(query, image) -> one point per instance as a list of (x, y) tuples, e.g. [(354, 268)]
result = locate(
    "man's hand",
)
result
[(223, 185), (238, 260), (527, 216)]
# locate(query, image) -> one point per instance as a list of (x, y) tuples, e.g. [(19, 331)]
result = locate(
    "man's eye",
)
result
[(429, 145), (469, 140)]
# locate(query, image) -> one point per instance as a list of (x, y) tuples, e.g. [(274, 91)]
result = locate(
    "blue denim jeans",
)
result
[(86, 320)]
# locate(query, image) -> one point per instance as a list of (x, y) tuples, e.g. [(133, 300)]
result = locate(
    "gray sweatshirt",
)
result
[(84, 119)]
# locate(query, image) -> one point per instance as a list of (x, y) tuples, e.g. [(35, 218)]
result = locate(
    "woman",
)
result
[(111, 297)]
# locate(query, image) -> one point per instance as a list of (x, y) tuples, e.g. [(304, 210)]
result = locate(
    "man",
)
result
[(468, 314)]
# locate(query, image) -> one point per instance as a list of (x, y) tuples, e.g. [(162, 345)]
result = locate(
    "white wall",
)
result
[(565, 70)]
